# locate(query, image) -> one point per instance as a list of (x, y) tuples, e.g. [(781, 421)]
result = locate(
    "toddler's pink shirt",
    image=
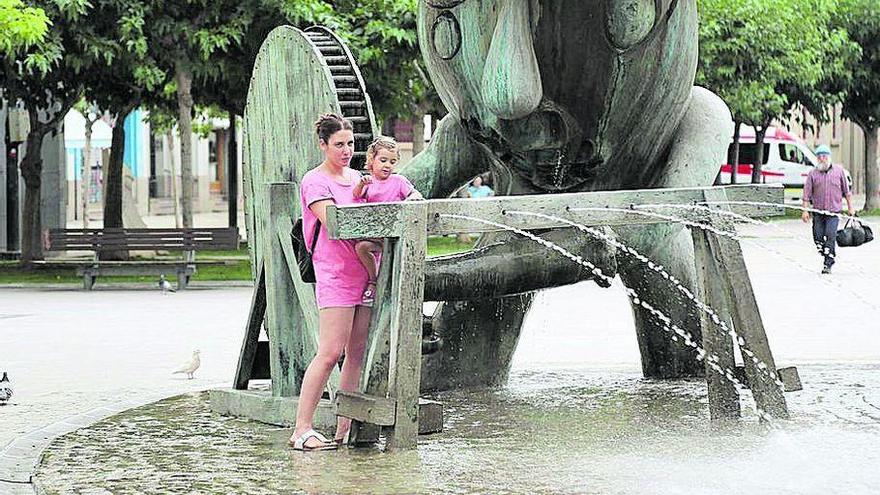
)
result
[(394, 188), (340, 276)]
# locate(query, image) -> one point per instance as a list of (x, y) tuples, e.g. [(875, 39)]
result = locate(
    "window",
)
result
[(748, 152), (791, 153)]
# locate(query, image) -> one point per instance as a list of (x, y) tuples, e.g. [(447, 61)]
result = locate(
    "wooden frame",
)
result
[(719, 262), (389, 392)]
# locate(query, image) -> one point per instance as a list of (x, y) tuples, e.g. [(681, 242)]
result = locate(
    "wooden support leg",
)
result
[(245, 367), (733, 278), (407, 288), (88, 280), (748, 324), (723, 396), (374, 380)]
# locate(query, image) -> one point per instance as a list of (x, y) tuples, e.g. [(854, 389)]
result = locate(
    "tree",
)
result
[(861, 19), (749, 50), (44, 80), (21, 27), (91, 114)]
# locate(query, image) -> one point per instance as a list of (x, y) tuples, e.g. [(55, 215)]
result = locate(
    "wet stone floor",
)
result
[(566, 431)]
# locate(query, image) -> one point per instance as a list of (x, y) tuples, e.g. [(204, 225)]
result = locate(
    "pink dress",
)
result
[(394, 188), (340, 276)]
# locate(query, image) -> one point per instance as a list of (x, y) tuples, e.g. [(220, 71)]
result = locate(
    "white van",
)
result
[(787, 159)]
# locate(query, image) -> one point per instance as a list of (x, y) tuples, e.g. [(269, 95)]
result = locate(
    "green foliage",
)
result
[(20, 26), (861, 19), (751, 51)]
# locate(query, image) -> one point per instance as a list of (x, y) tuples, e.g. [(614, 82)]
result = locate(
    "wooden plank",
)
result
[(407, 287), (134, 269), (254, 323), (723, 396), (374, 377), (385, 219), (749, 326), (290, 301), (380, 411), (366, 408), (791, 380), (143, 239)]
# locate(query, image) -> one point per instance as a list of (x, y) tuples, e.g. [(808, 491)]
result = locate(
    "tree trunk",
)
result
[(113, 182), (31, 170), (232, 173), (760, 132), (86, 172), (734, 163), (185, 106), (872, 172), (175, 196)]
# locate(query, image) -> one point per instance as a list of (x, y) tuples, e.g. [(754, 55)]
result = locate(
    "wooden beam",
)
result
[(381, 411), (791, 379), (374, 378), (366, 408), (386, 219), (405, 363), (723, 396), (244, 371), (749, 327)]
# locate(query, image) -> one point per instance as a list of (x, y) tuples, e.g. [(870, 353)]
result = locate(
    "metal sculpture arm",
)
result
[(449, 161), (510, 264)]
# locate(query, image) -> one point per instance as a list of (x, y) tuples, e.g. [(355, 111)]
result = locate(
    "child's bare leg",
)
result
[(365, 250)]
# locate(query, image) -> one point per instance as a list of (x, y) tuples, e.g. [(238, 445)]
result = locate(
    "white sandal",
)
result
[(300, 442)]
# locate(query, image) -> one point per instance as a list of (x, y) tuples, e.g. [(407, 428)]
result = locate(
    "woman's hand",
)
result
[(365, 180)]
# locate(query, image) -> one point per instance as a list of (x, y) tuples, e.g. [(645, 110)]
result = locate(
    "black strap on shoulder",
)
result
[(317, 231)]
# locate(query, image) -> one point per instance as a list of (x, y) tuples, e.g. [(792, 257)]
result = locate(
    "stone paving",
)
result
[(76, 357)]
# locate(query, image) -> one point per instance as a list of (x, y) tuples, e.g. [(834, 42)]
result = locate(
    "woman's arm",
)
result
[(319, 208)]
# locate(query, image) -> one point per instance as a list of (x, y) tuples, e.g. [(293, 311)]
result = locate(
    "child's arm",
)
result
[(361, 188), (415, 195)]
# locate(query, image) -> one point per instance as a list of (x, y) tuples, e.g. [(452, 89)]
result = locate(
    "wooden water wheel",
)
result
[(298, 75)]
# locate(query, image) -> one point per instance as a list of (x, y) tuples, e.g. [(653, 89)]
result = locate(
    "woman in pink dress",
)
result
[(342, 319)]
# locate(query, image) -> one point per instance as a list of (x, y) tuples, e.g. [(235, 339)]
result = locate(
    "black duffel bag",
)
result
[(854, 233), (303, 256)]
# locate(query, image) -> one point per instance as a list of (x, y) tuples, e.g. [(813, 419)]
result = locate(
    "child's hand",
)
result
[(415, 196), (366, 179)]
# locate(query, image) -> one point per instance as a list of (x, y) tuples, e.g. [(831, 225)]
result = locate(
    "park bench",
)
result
[(186, 241)]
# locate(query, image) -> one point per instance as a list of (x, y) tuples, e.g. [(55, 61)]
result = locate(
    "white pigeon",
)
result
[(5, 389), (190, 366), (165, 285)]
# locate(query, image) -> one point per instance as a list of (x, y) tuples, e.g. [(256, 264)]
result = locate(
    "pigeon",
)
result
[(165, 285), (191, 366), (5, 389)]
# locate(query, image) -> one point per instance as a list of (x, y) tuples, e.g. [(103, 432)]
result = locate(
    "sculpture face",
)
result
[(568, 94)]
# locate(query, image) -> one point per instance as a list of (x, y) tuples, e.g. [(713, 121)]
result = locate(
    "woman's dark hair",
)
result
[(329, 124)]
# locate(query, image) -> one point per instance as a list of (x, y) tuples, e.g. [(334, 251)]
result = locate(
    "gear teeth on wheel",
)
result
[(350, 90)]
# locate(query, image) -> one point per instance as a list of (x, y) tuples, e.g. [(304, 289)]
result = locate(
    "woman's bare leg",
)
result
[(335, 328), (350, 376)]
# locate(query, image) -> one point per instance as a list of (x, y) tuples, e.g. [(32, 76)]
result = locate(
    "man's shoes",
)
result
[(826, 270)]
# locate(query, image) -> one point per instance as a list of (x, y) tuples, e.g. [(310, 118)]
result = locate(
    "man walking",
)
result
[(824, 189)]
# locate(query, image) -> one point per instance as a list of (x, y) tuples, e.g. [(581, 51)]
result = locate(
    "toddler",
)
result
[(382, 185)]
